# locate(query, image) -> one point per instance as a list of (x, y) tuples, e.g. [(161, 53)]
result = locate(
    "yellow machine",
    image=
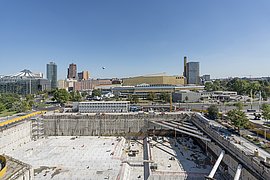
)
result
[(3, 166), (16, 119)]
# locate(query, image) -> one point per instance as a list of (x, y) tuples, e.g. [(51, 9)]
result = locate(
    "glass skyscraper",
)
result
[(52, 74)]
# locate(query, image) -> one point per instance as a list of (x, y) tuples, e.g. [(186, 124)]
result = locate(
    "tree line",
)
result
[(62, 96), (15, 103), (237, 116), (241, 86)]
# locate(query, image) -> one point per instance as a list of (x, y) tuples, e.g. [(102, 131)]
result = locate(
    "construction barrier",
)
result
[(17, 119)]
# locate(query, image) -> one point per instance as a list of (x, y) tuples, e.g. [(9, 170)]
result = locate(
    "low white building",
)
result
[(220, 95), (102, 107)]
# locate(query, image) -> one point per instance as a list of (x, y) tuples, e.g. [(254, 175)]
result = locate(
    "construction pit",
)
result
[(119, 157), (88, 157)]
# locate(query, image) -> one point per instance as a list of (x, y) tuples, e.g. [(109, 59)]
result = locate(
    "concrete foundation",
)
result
[(15, 135)]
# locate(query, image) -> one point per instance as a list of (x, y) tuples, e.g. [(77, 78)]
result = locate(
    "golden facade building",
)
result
[(152, 80)]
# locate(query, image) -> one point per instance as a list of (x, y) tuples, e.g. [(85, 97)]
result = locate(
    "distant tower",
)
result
[(84, 75), (72, 71), (193, 73), (52, 74), (185, 67)]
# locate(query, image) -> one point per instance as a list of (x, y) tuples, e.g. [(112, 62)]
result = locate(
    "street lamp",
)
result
[(260, 100)]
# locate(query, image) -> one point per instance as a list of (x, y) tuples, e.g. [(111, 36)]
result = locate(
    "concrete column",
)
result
[(238, 172), (213, 171)]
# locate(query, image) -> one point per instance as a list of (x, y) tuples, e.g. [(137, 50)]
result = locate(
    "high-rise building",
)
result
[(206, 77), (52, 74), (72, 71), (193, 73), (84, 75)]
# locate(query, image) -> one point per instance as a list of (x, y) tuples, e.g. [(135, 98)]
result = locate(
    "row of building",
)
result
[(71, 74), (27, 82), (191, 76), (178, 95)]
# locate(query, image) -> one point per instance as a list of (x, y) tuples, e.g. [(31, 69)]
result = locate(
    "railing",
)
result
[(258, 169)]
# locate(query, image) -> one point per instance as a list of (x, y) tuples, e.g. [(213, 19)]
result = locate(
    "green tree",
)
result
[(45, 96), (238, 85), (84, 94), (254, 86), (8, 99), (152, 96), (266, 111), (96, 92), (75, 96), (208, 86), (20, 106), (212, 112), (133, 98), (25, 106), (30, 99), (16, 106), (165, 97), (238, 118), (2, 107), (239, 105), (265, 92), (213, 86), (61, 96), (216, 86)]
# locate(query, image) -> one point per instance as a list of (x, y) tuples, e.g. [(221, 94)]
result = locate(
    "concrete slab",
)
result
[(72, 158), (92, 157), (178, 159)]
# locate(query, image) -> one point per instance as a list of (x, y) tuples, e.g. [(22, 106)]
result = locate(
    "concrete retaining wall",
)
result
[(98, 125), (15, 135)]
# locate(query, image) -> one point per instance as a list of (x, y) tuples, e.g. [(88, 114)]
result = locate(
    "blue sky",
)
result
[(136, 37)]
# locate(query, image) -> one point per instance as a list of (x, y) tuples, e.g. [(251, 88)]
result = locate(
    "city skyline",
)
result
[(136, 38)]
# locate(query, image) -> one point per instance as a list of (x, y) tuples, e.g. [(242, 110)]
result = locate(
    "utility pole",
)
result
[(251, 100), (260, 100), (171, 102), (30, 86)]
